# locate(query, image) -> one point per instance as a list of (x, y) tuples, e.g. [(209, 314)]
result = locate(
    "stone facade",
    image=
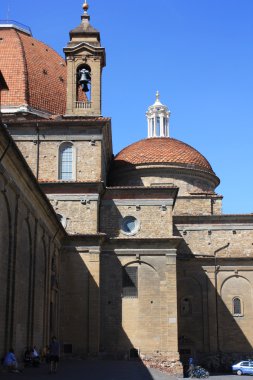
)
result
[(30, 241), (143, 263)]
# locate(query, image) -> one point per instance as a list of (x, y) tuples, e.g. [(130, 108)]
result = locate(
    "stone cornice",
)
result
[(141, 192), (214, 219), (142, 244), (72, 187)]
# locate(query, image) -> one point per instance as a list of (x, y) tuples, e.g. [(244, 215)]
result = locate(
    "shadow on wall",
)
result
[(91, 316), (209, 329), (28, 312)]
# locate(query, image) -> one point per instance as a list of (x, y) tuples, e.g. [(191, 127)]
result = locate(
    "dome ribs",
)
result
[(35, 74)]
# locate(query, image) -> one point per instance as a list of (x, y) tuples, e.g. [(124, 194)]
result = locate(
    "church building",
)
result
[(120, 256)]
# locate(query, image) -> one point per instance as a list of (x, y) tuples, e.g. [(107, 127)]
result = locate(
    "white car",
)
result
[(243, 368)]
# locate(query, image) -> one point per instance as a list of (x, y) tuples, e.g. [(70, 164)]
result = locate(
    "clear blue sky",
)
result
[(197, 53)]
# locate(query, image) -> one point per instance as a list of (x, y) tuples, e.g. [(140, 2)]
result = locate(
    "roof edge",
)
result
[(12, 24)]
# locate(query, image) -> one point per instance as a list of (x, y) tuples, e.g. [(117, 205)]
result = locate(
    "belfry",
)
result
[(85, 61)]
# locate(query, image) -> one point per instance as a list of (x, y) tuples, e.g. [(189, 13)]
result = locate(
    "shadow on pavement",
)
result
[(74, 369)]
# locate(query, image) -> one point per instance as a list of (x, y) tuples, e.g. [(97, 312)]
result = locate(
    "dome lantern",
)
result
[(158, 119)]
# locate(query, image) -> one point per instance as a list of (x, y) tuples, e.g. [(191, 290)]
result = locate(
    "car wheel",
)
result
[(239, 372)]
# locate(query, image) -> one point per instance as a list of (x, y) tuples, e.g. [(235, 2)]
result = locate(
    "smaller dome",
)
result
[(162, 150)]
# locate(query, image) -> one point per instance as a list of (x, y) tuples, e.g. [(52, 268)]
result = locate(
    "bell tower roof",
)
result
[(85, 29)]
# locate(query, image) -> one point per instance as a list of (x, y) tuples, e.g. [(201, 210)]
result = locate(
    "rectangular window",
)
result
[(130, 282)]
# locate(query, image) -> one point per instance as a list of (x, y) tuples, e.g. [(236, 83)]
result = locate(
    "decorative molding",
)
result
[(74, 198), (24, 108), (138, 202), (210, 228)]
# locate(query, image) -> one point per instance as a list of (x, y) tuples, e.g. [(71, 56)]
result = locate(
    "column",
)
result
[(162, 126)]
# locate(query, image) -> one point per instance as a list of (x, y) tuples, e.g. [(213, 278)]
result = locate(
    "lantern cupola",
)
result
[(158, 119)]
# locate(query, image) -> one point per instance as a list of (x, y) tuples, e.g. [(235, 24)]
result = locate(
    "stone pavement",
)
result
[(74, 369)]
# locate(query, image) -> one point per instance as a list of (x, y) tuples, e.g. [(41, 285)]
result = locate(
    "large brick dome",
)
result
[(34, 73), (162, 150)]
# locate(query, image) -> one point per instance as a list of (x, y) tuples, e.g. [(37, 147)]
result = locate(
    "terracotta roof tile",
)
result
[(35, 73), (161, 150)]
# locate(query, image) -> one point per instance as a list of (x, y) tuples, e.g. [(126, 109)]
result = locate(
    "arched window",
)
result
[(237, 307), (66, 162), (130, 282)]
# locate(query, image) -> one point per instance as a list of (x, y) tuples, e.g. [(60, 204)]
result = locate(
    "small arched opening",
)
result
[(83, 86)]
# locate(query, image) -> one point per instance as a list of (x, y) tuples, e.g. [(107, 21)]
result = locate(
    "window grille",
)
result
[(130, 282), (66, 162), (237, 307)]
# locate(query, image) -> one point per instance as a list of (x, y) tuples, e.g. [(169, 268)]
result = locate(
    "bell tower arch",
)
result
[(85, 61)]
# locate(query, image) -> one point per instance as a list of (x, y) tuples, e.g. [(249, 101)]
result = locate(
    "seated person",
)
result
[(45, 357), (35, 357), (27, 357), (10, 361)]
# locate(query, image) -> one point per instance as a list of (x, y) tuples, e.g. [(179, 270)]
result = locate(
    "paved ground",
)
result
[(100, 370)]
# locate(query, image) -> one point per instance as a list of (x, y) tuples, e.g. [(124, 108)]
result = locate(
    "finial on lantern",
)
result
[(85, 6)]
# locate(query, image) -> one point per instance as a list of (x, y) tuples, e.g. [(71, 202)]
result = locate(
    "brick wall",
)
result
[(27, 227), (154, 221), (87, 163)]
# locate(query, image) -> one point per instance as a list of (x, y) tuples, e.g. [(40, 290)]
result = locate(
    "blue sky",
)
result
[(197, 53)]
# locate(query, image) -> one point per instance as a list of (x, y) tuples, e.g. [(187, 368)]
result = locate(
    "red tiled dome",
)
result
[(162, 150), (35, 74)]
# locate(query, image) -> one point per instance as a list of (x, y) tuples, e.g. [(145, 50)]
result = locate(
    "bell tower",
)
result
[(85, 60)]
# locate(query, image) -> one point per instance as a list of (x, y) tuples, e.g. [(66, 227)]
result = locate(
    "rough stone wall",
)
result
[(147, 322), (225, 240), (186, 183), (147, 175), (193, 205), (29, 151), (80, 306), (87, 159), (206, 321), (79, 218), (154, 220), (27, 227), (25, 276), (214, 267)]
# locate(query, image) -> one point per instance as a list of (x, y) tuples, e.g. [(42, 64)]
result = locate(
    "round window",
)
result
[(130, 225)]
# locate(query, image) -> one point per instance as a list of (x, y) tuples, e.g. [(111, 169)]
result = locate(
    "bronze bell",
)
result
[(85, 78)]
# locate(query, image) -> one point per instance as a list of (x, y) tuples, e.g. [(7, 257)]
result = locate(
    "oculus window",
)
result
[(130, 225), (130, 282)]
